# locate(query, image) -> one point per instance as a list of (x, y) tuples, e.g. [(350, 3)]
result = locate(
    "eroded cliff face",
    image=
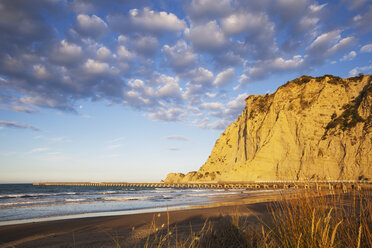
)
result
[(309, 129)]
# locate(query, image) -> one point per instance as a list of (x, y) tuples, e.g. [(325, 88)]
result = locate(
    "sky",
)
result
[(132, 90)]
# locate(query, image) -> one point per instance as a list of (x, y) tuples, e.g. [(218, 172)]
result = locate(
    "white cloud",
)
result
[(68, 52), (218, 124), (94, 67), (177, 137), (360, 69), (153, 21), (169, 88), (247, 22), (355, 4), (122, 39), (266, 67), (167, 114), (316, 8), (350, 56), (41, 72), (308, 23), (209, 8), (366, 48), (37, 150), (146, 45), (238, 103), (328, 44), (22, 109), (323, 41), (341, 45), (124, 53), (210, 95), (45, 101), (201, 80), (103, 53), (92, 26), (113, 146), (224, 77), (14, 124), (180, 56), (201, 76), (208, 37), (212, 106)]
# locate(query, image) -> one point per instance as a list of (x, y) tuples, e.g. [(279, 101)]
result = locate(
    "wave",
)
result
[(39, 195)]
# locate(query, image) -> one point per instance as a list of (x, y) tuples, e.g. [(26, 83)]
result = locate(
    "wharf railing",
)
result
[(331, 185)]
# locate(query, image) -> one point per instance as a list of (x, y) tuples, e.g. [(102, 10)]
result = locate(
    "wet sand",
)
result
[(129, 230)]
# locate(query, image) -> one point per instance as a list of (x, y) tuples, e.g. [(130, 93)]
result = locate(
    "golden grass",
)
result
[(310, 220), (342, 220)]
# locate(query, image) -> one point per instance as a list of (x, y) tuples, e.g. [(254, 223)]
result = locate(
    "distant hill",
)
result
[(309, 129)]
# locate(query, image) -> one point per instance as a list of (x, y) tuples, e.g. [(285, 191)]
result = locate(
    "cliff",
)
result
[(309, 129)]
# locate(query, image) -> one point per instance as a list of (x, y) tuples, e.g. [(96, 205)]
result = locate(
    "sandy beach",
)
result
[(129, 230)]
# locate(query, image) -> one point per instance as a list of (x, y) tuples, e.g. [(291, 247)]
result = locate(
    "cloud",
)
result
[(360, 69), (156, 21), (116, 140), (265, 68), (212, 105), (104, 54), (22, 109), (327, 45), (177, 137), (349, 56), (200, 76), (208, 37), (224, 77), (37, 150), (246, 22), (124, 53), (173, 149), (67, 53), (180, 57), (169, 114), (146, 45), (366, 48), (202, 9), (172, 63), (145, 21), (12, 124), (113, 147), (207, 124), (40, 72), (355, 4), (169, 88), (91, 26), (94, 67), (200, 81), (363, 21)]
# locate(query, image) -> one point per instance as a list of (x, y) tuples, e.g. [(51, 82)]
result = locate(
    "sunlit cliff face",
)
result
[(309, 129)]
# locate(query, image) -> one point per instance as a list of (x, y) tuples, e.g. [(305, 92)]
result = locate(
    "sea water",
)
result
[(21, 203)]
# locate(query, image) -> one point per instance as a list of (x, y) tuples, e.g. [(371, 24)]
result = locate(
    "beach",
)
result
[(129, 229), (265, 219)]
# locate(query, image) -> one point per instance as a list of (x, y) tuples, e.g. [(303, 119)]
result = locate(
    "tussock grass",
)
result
[(309, 220), (341, 220)]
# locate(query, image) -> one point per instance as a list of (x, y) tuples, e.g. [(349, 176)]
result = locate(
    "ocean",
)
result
[(22, 203)]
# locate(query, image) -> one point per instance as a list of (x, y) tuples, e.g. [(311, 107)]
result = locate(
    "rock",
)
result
[(309, 129)]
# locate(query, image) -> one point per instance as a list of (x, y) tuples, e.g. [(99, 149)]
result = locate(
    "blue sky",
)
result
[(132, 90)]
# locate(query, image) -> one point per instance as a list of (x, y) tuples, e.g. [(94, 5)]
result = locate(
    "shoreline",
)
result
[(220, 200), (130, 227)]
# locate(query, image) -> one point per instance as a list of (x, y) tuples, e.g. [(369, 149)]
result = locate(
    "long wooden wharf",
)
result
[(257, 185)]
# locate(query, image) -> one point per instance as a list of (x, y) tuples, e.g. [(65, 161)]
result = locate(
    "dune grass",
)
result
[(309, 220)]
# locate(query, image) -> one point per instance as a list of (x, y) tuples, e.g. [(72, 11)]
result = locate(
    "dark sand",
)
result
[(129, 230)]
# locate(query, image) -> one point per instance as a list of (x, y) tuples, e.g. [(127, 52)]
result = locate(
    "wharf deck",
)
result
[(317, 185)]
